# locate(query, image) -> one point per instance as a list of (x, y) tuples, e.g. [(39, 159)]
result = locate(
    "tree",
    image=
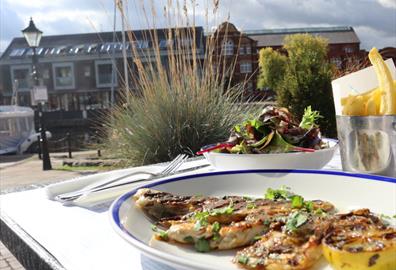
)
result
[(306, 79), (272, 68)]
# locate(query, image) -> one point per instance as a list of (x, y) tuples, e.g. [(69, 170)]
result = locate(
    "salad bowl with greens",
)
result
[(273, 140)]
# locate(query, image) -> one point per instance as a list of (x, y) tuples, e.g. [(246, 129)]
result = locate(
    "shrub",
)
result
[(174, 117)]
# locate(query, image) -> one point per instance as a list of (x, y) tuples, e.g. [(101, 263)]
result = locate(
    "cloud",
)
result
[(10, 24), (374, 21), (366, 35), (72, 21), (388, 3), (255, 14)]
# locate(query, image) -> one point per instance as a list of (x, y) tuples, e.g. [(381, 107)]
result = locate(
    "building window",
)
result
[(186, 42), (248, 50), (104, 74), (228, 47), (63, 74), (246, 67), (165, 43), (348, 50), (21, 76), (241, 50), (24, 99), (45, 74), (17, 52), (92, 48), (87, 71), (140, 44)]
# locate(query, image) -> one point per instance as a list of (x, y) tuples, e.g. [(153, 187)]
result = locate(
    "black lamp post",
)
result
[(33, 37)]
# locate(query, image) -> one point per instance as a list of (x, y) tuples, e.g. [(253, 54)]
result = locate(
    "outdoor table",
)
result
[(44, 234)]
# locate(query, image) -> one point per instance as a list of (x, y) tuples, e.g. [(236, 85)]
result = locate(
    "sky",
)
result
[(373, 20)]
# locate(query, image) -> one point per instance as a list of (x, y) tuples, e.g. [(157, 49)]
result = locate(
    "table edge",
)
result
[(30, 253)]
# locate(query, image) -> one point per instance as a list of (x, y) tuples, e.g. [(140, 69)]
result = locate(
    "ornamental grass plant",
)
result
[(179, 102)]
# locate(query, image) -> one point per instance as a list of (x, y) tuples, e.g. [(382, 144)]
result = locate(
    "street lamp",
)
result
[(33, 37)]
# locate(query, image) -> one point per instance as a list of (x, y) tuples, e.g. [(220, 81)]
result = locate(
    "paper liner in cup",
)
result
[(357, 83)]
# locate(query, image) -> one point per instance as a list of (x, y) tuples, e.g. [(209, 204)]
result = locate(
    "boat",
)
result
[(17, 130)]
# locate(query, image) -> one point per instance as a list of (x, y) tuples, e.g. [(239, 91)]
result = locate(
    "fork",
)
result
[(169, 169)]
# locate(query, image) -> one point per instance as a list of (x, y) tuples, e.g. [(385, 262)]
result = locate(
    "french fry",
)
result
[(362, 105), (388, 90)]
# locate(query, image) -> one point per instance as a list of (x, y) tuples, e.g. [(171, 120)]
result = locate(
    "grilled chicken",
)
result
[(158, 204), (280, 234), (224, 223), (288, 248), (166, 207), (218, 236), (163, 205)]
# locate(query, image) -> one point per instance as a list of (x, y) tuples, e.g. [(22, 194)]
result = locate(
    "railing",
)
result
[(73, 143)]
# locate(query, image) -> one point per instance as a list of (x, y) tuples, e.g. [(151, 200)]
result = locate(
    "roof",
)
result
[(89, 43), (275, 37), (229, 29)]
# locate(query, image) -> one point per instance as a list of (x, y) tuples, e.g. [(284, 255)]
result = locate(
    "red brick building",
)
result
[(235, 54), (232, 44), (343, 42)]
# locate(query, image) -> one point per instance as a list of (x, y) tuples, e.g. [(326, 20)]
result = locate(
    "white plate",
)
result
[(294, 160), (345, 191)]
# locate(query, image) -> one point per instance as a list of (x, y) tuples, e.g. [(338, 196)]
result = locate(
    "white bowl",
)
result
[(293, 160)]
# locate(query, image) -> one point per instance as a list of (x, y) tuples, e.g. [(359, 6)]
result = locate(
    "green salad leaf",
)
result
[(309, 118)]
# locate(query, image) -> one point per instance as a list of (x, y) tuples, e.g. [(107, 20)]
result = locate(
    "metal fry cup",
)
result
[(368, 144)]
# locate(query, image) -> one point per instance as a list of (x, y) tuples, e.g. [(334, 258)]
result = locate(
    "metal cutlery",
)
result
[(168, 170)]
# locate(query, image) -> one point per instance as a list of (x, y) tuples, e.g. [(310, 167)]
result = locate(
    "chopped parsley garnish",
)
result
[(161, 233), (189, 239), (295, 220), (216, 237), (284, 193), (257, 237), (228, 210), (320, 212), (216, 226), (383, 216), (308, 205), (201, 220), (387, 220), (242, 259), (202, 245), (267, 222), (297, 201), (250, 205), (275, 194)]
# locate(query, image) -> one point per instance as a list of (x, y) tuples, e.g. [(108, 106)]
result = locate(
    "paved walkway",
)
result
[(7, 260), (20, 172)]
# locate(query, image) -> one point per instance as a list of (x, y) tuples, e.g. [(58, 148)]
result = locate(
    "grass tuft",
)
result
[(178, 104)]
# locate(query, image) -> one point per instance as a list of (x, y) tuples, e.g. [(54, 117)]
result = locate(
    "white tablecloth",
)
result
[(79, 238)]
